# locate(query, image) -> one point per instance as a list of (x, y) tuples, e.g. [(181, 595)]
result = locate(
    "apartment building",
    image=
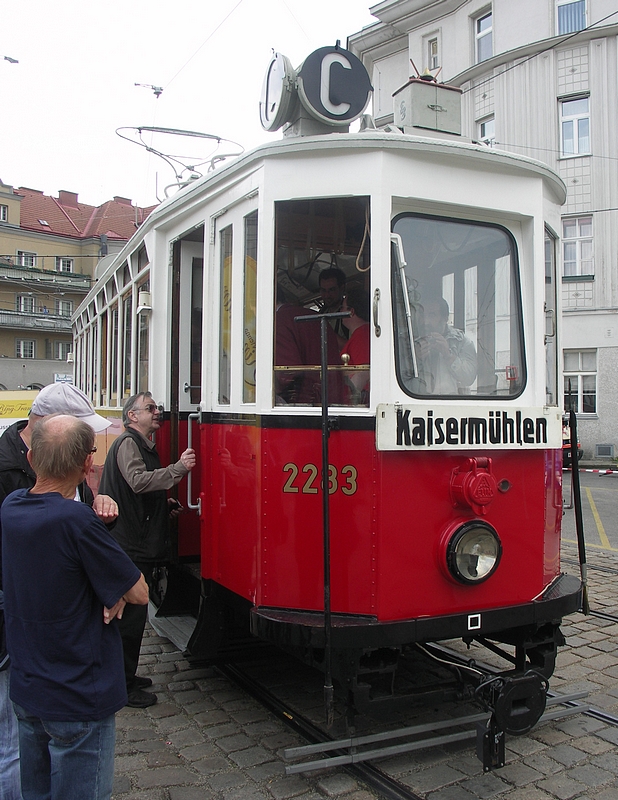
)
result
[(539, 78), (49, 248)]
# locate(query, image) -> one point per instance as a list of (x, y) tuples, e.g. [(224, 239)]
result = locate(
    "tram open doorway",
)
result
[(176, 586)]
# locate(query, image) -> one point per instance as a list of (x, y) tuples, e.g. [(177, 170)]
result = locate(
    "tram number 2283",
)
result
[(305, 479)]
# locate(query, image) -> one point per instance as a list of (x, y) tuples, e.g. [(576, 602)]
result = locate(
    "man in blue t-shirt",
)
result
[(65, 582)]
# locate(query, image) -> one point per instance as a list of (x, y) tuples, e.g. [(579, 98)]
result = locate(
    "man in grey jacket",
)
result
[(134, 478)]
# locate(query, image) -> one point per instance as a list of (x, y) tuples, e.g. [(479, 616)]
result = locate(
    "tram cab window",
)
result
[(322, 253), (457, 310)]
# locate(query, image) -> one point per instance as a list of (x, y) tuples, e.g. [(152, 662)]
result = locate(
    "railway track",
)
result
[(377, 746)]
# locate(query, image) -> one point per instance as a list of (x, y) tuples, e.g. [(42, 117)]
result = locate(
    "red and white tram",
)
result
[(444, 484)]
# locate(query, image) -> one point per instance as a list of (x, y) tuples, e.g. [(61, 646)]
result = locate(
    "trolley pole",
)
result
[(329, 693)]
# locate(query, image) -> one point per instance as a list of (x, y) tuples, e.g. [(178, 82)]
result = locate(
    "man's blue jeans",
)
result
[(68, 760), (9, 744)]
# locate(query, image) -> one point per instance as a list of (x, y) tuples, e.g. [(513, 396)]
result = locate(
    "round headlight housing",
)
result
[(473, 552)]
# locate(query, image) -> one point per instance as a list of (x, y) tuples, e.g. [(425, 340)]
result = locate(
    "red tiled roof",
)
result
[(66, 216)]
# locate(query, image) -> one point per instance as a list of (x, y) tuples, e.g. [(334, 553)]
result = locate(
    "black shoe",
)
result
[(139, 699), (141, 683)]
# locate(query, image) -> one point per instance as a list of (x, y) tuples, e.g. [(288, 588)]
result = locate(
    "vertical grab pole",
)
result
[(329, 695), (190, 504), (579, 519), (328, 676)]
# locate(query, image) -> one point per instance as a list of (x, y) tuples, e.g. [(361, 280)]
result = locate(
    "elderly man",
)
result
[(16, 473), (134, 477), (65, 581)]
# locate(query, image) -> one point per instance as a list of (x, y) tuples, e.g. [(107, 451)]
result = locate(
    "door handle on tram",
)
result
[(376, 300), (550, 315), (190, 504)]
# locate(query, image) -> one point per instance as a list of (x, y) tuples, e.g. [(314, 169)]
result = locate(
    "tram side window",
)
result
[(463, 334), (225, 263), (322, 252)]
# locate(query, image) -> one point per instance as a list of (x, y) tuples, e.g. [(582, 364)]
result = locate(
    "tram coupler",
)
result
[(490, 744), (516, 701)]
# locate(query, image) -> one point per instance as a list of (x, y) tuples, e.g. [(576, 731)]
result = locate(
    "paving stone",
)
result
[(190, 793), (590, 775), (251, 757), (490, 784), (567, 755), (451, 793), (563, 787), (240, 741), (334, 785), (292, 786), (164, 776), (427, 780), (520, 774)]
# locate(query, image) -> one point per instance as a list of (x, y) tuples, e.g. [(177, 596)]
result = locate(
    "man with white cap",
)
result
[(16, 473)]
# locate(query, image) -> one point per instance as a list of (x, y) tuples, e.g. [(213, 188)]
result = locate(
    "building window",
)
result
[(575, 127), (483, 37), (577, 250), (25, 303), (4, 213), (24, 348), (433, 54), (64, 308), (487, 131), (580, 381), (64, 264), (25, 259), (62, 350), (571, 16)]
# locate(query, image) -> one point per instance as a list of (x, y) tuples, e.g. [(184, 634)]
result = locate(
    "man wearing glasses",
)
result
[(134, 477)]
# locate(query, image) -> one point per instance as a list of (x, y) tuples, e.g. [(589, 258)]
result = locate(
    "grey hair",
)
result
[(129, 404), (60, 456)]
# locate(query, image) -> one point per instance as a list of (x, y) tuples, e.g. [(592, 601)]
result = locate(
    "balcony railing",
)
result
[(35, 321), (75, 281)]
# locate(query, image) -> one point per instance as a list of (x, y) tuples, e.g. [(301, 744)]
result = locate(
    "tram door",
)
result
[(187, 277)]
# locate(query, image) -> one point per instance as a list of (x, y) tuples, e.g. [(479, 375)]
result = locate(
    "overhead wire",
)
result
[(558, 43)]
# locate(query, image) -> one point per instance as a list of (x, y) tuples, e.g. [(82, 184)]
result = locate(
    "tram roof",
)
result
[(477, 155), (374, 140)]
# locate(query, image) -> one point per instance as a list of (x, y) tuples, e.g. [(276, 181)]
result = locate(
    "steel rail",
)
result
[(387, 787)]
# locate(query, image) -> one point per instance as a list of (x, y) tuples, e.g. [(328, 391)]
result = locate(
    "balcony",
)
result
[(26, 320), (70, 281)]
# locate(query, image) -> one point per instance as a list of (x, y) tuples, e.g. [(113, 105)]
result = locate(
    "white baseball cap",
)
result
[(64, 398)]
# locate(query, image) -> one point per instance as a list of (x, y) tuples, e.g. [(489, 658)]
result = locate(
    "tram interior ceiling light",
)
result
[(473, 552)]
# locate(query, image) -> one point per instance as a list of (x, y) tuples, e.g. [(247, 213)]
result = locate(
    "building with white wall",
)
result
[(539, 78)]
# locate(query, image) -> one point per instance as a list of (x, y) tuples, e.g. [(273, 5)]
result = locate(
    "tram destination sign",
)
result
[(438, 427)]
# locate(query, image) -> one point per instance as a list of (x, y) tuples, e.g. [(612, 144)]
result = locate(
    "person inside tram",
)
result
[(447, 357), (332, 290), (356, 351), (297, 344)]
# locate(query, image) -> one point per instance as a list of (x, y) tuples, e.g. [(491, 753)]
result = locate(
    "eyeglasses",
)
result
[(94, 450), (150, 408)]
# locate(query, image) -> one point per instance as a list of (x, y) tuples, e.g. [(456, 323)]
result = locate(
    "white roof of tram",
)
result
[(478, 156)]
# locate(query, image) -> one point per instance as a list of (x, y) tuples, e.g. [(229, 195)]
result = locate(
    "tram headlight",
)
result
[(473, 552)]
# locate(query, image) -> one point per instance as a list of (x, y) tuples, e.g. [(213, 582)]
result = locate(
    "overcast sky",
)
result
[(79, 61)]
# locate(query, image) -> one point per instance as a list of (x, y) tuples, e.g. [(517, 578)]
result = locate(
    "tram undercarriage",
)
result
[(374, 664)]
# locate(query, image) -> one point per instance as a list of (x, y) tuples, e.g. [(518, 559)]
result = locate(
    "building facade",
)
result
[(49, 248), (538, 78)]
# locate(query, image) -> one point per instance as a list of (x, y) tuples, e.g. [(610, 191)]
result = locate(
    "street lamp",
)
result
[(10, 60)]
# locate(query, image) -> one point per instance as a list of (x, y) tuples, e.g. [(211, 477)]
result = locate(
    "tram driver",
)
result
[(447, 357)]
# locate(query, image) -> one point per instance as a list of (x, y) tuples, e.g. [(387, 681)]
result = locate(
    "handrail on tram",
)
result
[(398, 246), (190, 504)]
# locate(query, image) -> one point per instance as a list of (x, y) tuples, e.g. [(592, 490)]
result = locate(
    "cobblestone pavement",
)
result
[(206, 739)]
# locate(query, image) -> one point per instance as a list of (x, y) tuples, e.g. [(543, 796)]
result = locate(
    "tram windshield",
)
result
[(457, 310)]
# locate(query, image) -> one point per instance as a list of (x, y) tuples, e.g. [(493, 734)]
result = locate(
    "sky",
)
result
[(79, 61)]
